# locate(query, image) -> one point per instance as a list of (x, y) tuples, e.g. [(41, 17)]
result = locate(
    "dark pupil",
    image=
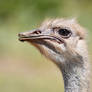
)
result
[(64, 32)]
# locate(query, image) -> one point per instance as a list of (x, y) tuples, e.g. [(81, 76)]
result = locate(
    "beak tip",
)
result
[(20, 34), (21, 40)]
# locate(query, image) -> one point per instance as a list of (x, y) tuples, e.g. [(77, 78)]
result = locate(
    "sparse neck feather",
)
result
[(76, 75)]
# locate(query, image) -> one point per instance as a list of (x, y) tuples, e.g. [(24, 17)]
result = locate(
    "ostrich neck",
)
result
[(75, 75)]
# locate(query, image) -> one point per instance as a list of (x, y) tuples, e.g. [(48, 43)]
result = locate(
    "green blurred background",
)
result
[(22, 67)]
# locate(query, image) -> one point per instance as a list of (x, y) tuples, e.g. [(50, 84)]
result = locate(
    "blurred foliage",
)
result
[(18, 60)]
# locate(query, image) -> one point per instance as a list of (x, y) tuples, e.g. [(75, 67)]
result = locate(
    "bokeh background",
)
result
[(22, 67)]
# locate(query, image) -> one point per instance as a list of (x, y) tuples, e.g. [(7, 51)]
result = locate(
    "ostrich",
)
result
[(63, 42)]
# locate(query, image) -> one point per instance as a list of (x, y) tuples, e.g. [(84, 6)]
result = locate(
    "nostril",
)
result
[(37, 32)]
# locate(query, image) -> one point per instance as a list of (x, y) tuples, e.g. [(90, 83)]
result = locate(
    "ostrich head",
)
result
[(63, 42), (57, 39)]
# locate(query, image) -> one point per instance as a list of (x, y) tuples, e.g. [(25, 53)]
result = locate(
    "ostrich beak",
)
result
[(37, 35), (30, 35)]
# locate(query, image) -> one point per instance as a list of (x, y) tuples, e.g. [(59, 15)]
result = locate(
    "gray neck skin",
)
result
[(75, 76)]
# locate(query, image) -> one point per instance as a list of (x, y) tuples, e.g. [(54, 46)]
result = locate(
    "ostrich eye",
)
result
[(64, 32)]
